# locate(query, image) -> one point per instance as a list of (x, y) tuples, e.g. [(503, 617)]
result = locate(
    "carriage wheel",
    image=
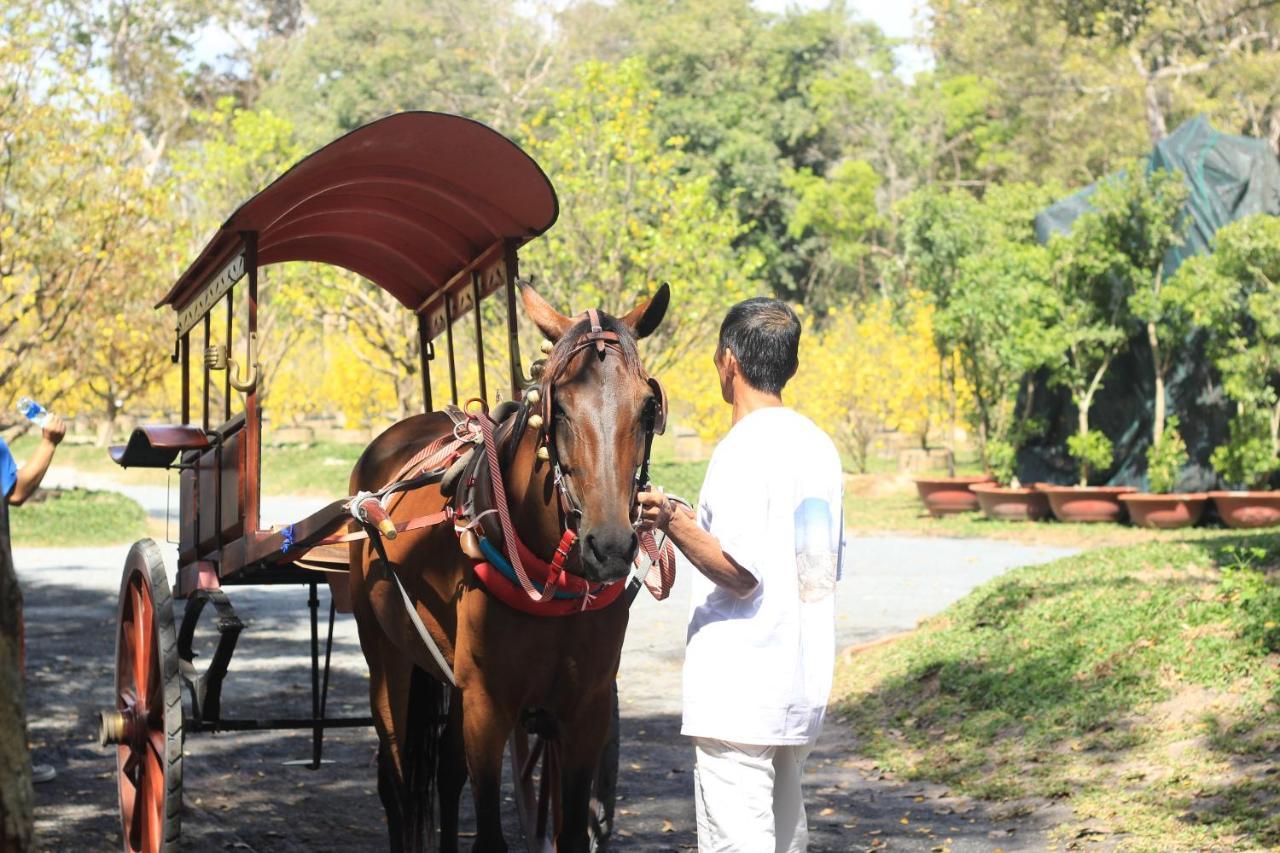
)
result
[(535, 769), (146, 725)]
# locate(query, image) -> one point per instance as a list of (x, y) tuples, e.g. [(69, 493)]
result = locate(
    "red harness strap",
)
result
[(550, 576)]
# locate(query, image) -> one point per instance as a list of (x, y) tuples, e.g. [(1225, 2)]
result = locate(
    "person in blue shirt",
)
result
[(18, 484)]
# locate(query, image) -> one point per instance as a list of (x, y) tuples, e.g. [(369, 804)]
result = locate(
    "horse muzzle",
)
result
[(607, 554)]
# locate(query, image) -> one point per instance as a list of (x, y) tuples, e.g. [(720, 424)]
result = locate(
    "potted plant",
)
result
[(949, 495), (1084, 503), (1247, 461), (1006, 499), (987, 278), (1092, 280), (1234, 294), (1163, 507)]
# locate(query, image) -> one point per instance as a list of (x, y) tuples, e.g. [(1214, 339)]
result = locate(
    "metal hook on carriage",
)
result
[(216, 358), (246, 385)]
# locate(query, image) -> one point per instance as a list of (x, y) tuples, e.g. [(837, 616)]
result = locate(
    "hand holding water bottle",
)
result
[(52, 426)]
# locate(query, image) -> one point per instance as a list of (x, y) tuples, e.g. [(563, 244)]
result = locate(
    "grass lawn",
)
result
[(76, 517), (1140, 685)]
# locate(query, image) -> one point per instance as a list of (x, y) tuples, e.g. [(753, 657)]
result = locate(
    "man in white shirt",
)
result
[(766, 540)]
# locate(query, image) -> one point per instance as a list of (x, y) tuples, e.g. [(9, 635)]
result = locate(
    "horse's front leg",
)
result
[(485, 729), (451, 776), (581, 745)]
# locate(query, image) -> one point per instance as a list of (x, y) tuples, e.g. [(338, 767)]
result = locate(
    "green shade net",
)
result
[(1229, 177)]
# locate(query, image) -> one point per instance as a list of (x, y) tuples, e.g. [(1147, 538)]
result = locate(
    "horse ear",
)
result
[(549, 321), (646, 316)]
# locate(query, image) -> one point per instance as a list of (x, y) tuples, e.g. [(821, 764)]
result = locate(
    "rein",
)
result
[(557, 592)]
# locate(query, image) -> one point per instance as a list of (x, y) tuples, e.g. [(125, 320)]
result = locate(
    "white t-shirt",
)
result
[(757, 670)]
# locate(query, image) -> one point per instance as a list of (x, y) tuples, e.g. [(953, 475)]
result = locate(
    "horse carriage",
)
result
[(489, 559)]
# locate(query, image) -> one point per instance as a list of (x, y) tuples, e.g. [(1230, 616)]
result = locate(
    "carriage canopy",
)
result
[(412, 202)]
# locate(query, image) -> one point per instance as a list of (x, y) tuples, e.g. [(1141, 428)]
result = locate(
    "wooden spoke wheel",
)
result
[(535, 770), (146, 724)]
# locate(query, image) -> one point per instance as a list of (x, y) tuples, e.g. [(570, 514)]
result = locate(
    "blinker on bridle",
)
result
[(603, 341)]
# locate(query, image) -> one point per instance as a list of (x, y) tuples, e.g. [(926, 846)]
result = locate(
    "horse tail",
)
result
[(428, 713)]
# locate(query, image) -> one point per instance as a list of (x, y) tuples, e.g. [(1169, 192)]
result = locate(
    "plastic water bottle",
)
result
[(33, 411)]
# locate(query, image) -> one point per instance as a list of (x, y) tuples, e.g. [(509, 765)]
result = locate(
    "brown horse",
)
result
[(506, 662)]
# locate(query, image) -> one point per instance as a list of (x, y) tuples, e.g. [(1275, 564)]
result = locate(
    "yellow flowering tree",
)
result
[(69, 185), (866, 369)]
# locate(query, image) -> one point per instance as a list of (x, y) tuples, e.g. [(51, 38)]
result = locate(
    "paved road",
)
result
[(240, 793)]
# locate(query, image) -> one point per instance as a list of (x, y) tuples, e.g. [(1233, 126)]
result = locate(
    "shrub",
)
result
[(1166, 458), (1248, 459), (1091, 450)]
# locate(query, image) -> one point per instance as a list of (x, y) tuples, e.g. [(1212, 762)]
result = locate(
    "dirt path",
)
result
[(241, 794)]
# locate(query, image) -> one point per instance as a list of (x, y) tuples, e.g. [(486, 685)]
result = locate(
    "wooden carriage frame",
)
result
[(431, 208)]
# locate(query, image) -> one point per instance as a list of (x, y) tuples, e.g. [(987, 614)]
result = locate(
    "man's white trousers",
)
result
[(749, 798)]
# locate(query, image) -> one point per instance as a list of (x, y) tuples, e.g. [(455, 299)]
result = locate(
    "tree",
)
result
[(988, 279), (869, 368), (1089, 320), (67, 179), (492, 60), (635, 212), (17, 799), (1235, 294), (1140, 215)]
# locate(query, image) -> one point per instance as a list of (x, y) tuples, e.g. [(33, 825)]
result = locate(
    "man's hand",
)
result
[(656, 510), (55, 429)]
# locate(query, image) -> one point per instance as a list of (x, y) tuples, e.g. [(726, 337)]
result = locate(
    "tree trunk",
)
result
[(951, 427), (1275, 429), (17, 799), (1157, 428), (1082, 427)]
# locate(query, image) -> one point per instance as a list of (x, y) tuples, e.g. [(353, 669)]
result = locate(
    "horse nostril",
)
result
[(594, 548)]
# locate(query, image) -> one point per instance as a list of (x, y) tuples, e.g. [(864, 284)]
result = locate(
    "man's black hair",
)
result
[(764, 335)]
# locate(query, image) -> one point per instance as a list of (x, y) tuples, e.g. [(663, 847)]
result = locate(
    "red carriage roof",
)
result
[(407, 201)]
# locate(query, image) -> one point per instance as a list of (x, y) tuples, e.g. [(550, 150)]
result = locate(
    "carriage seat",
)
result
[(158, 445)]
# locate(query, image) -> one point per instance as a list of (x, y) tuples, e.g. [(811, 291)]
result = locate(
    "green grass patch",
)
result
[(683, 479), (1140, 684), (320, 469), (76, 518)]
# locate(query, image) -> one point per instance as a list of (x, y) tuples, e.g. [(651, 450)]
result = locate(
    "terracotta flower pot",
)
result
[(1086, 504), (948, 495), (1248, 509), (1004, 503), (1165, 512)]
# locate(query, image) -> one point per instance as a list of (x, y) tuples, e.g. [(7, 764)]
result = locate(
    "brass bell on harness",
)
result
[(546, 347), (535, 421), (544, 453), (537, 369), (533, 396)]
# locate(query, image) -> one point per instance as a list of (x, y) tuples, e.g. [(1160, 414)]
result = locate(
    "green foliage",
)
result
[(1245, 585), (1248, 459), (990, 281), (841, 208), (1166, 458), (1002, 459), (636, 211), (1092, 451)]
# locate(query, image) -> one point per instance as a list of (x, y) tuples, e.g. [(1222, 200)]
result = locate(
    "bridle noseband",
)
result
[(604, 342)]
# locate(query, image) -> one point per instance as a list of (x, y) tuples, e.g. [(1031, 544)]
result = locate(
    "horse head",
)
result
[(600, 411)]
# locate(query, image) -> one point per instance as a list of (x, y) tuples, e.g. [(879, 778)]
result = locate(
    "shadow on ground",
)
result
[(241, 794)]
